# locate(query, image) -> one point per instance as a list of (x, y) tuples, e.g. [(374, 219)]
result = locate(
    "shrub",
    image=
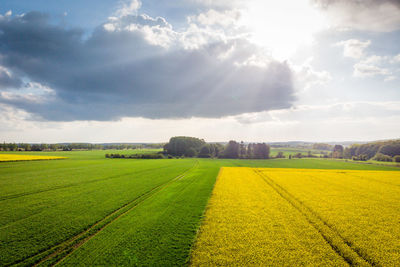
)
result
[(298, 155), (382, 157), (396, 158), (204, 152), (191, 152), (136, 156), (362, 157)]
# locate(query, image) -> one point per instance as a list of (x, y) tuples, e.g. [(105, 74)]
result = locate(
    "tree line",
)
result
[(72, 146), (380, 150), (179, 146)]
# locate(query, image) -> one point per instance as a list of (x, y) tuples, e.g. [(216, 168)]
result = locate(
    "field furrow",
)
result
[(341, 246), (159, 232), (90, 210), (58, 253), (42, 221), (248, 222), (80, 183), (363, 211)]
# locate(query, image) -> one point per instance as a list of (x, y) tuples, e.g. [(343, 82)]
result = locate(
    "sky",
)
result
[(247, 70)]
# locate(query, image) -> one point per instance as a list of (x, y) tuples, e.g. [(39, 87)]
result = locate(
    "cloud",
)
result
[(363, 69), (353, 48), (128, 7), (344, 111), (308, 77), (341, 121), (134, 66), (156, 31), (368, 65), (213, 17), (220, 4), (8, 80), (396, 59), (365, 15)]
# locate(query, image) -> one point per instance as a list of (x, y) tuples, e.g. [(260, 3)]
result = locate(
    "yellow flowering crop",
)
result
[(295, 217), (363, 207), (248, 223), (20, 157)]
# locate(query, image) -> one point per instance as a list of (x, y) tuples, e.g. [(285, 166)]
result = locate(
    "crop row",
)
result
[(248, 223), (301, 217), (35, 223), (360, 206), (58, 253), (158, 232)]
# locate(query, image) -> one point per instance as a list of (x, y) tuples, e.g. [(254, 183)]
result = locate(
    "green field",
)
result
[(292, 151), (88, 210)]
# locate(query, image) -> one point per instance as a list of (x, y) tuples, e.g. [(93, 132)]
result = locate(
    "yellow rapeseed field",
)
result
[(248, 223), (20, 157), (297, 217), (363, 207)]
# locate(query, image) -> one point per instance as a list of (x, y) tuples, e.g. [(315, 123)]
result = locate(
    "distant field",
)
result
[(382, 163), (292, 151), (307, 163), (23, 157), (90, 210), (82, 154), (275, 217)]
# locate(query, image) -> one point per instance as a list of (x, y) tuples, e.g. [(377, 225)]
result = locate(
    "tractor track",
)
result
[(352, 255), (77, 184), (55, 254)]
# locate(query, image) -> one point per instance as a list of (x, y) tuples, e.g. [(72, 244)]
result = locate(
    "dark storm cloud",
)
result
[(112, 74)]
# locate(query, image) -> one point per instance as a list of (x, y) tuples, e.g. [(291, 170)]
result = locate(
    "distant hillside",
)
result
[(377, 149)]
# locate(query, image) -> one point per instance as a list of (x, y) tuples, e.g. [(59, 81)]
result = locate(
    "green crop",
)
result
[(147, 211)]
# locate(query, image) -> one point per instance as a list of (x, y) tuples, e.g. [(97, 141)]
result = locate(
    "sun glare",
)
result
[(282, 26)]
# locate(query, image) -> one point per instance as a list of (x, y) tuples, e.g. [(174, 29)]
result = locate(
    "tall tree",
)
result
[(232, 150), (242, 150), (337, 152), (183, 145)]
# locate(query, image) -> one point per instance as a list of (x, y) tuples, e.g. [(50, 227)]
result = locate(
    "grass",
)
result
[(164, 226), (397, 164), (292, 151), (52, 203), (87, 208), (83, 154), (307, 163)]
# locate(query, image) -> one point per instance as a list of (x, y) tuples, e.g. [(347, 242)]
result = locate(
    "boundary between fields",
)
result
[(57, 253), (340, 245), (203, 216)]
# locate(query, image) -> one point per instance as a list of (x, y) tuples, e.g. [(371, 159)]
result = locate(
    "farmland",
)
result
[(241, 229), (292, 151), (90, 210), (17, 157), (301, 217)]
